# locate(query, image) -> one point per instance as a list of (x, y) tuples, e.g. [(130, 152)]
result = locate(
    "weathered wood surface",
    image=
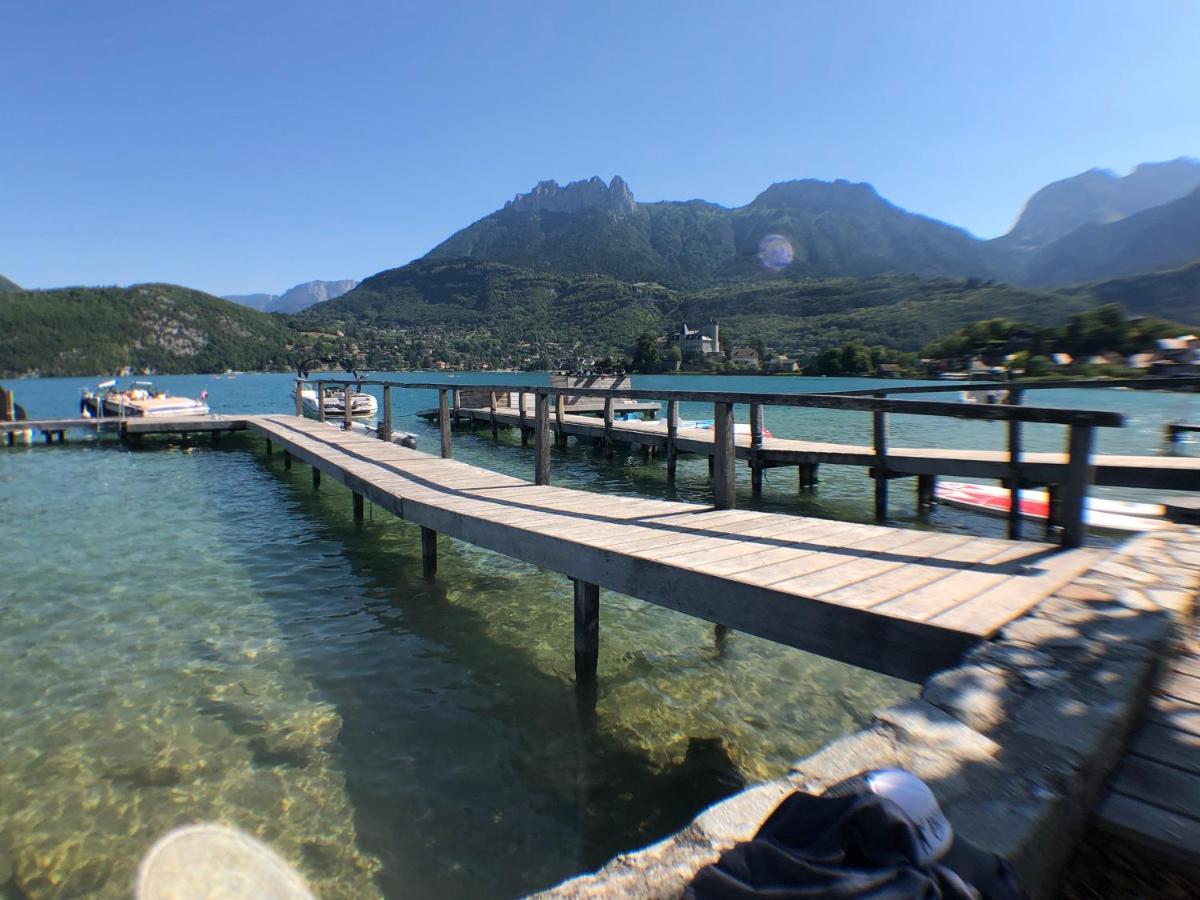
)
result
[(1152, 472), (898, 601), (138, 425), (1154, 795)]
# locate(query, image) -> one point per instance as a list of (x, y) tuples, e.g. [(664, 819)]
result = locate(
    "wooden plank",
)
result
[(1174, 714), (1187, 663), (1171, 746), (1182, 687), (1159, 784), (1168, 834)]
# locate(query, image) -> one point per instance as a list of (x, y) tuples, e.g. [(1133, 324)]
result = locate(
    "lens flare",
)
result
[(775, 252)]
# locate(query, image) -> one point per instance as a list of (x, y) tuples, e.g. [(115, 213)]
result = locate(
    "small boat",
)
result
[(140, 399), (403, 438), (1108, 515), (362, 406)]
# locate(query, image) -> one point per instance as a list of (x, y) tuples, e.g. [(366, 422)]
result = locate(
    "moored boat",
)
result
[(362, 405), (1108, 515), (140, 399)]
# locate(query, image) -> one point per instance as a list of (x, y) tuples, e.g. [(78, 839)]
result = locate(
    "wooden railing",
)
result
[(1147, 383), (1070, 495)]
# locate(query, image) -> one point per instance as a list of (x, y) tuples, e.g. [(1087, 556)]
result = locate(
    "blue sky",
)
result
[(240, 146)]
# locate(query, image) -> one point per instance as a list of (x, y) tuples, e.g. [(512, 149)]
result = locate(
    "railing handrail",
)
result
[(987, 412), (1147, 383)]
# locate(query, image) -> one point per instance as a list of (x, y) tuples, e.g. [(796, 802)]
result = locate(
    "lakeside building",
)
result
[(696, 343)]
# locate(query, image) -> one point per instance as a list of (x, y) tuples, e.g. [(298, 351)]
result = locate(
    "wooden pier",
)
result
[(57, 429), (1153, 798), (898, 601)]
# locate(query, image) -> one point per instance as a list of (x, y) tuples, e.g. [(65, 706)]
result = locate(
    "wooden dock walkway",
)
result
[(51, 429), (1154, 796), (1153, 472), (898, 601)]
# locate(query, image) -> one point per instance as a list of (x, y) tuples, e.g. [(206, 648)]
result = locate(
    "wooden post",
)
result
[(756, 445), (428, 552), (608, 426), (587, 630), (457, 398), (560, 403), (287, 456), (321, 400), (672, 431), (348, 402), (270, 447), (521, 413), (358, 505), (1079, 476), (299, 396), (385, 432), (1053, 508), (541, 438), (1014, 469), (492, 408), (316, 477), (444, 420), (880, 467), (926, 492), (724, 456)]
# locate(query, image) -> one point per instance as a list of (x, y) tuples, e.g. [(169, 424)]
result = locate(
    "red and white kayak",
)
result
[(1110, 515)]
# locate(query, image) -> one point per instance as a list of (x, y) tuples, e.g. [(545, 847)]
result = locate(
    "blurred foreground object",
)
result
[(216, 861)]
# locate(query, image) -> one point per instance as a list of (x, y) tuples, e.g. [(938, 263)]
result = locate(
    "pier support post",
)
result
[(560, 403), (587, 630), (444, 420), (926, 492), (724, 456), (1079, 476), (756, 445), (321, 401), (348, 403), (428, 552), (287, 459), (316, 477), (492, 410), (300, 396), (385, 432), (358, 506), (608, 427), (879, 430), (672, 430), (270, 447), (541, 438), (521, 414)]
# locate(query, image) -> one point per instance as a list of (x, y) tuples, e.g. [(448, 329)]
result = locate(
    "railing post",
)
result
[(879, 430), (386, 431), (672, 431), (457, 404), (521, 413), (756, 445), (608, 426), (724, 456), (444, 420), (926, 492), (1074, 489), (348, 404), (541, 438), (300, 396), (1014, 469), (321, 401), (492, 409)]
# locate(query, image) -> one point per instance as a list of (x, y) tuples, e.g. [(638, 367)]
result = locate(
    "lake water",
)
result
[(190, 633)]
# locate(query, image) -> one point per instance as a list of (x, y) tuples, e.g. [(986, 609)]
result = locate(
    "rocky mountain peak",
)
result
[(593, 193)]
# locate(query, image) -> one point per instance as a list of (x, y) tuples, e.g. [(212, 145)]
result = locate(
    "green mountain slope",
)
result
[(85, 331), (506, 316), (793, 229), (1173, 295), (7, 285)]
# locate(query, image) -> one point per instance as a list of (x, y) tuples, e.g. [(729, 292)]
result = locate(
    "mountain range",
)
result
[(297, 298), (1094, 225)]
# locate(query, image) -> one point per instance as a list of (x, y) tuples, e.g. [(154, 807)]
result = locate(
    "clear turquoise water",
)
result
[(188, 632)]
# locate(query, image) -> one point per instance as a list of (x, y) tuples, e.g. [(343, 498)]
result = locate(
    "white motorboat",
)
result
[(362, 406), (140, 399)]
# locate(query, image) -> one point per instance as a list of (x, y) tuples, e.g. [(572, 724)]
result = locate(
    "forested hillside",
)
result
[(166, 328)]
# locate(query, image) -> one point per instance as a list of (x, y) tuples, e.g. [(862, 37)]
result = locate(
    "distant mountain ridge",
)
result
[(8, 285), (1098, 197), (297, 298), (1066, 234)]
